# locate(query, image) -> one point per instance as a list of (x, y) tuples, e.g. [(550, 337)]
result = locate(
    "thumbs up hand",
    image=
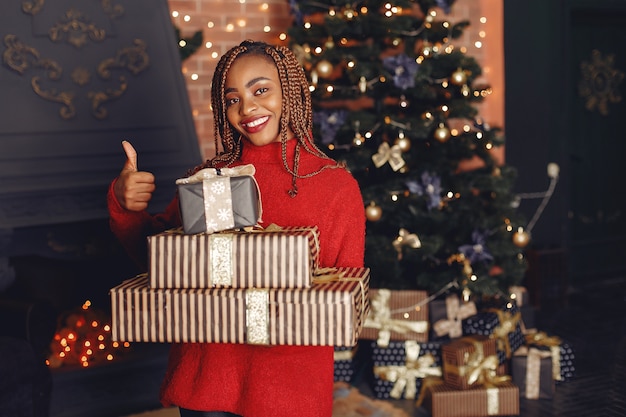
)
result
[(133, 189)]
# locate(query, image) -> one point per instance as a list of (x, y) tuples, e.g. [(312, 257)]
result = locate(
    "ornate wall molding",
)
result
[(91, 80)]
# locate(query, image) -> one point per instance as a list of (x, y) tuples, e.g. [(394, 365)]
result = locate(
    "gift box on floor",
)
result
[(270, 258), (469, 361), (501, 324), (447, 315), (219, 199), (399, 368), (563, 355), (396, 315), (531, 370), (344, 363), (442, 400), (329, 313)]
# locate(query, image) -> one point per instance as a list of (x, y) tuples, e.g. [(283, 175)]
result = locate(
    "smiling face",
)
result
[(254, 99)]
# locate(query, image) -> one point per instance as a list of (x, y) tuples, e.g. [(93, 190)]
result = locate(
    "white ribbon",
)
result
[(456, 312)]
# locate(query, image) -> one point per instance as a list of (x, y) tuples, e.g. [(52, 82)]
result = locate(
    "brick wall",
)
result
[(227, 22)]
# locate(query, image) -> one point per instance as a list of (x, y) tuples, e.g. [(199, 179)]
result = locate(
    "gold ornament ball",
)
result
[(403, 143), (324, 68), (458, 77), (521, 238), (442, 134), (373, 212)]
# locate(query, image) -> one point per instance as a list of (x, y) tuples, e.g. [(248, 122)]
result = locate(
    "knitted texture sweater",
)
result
[(252, 380)]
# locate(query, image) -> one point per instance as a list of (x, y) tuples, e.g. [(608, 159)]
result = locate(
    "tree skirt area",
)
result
[(349, 402)]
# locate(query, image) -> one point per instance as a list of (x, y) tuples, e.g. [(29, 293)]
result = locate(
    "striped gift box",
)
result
[(328, 313), (277, 258), (442, 400)]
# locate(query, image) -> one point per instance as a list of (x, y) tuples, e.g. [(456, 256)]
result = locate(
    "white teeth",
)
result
[(257, 121)]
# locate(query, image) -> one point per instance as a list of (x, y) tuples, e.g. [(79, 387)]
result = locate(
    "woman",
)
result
[(263, 116)]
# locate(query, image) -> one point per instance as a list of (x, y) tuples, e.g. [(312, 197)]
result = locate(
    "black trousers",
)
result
[(192, 413)]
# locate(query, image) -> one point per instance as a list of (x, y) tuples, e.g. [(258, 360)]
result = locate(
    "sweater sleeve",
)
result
[(133, 227), (346, 220)]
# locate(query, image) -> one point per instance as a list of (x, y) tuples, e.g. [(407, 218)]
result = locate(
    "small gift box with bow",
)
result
[(447, 315), (562, 353), (344, 363), (531, 370), (493, 399), (274, 257), (502, 325), (400, 368), (214, 199), (471, 361), (396, 315), (329, 313)]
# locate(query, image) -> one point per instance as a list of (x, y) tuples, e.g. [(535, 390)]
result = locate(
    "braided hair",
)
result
[(296, 112)]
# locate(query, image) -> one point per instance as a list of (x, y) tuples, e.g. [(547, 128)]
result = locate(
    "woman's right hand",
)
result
[(133, 189)]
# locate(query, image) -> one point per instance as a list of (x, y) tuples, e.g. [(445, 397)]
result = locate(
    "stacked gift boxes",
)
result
[(252, 286), (396, 330), (486, 357)]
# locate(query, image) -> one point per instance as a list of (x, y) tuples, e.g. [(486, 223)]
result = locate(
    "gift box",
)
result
[(344, 363), (503, 325), (469, 361), (531, 370), (219, 199), (399, 368), (441, 400), (271, 258), (562, 353), (396, 315), (329, 313), (520, 295), (447, 315)]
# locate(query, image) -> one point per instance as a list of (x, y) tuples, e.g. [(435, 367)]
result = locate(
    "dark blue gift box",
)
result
[(486, 322), (395, 355)]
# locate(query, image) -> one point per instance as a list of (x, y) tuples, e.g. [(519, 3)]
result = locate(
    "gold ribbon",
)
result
[(552, 342), (507, 325), (533, 369), (405, 377), (386, 153), (257, 316), (209, 173), (380, 318), (455, 313), (427, 384), (478, 369)]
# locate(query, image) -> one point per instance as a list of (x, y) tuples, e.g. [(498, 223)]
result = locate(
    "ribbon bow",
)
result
[(405, 377), (507, 324), (481, 370), (406, 239), (455, 314), (533, 368), (208, 173), (380, 318), (386, 153), (552, 342)]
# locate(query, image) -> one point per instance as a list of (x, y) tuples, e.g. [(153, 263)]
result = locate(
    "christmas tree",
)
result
[(397, 102)]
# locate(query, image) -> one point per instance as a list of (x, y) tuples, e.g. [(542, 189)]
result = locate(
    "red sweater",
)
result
[(251, 380)]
